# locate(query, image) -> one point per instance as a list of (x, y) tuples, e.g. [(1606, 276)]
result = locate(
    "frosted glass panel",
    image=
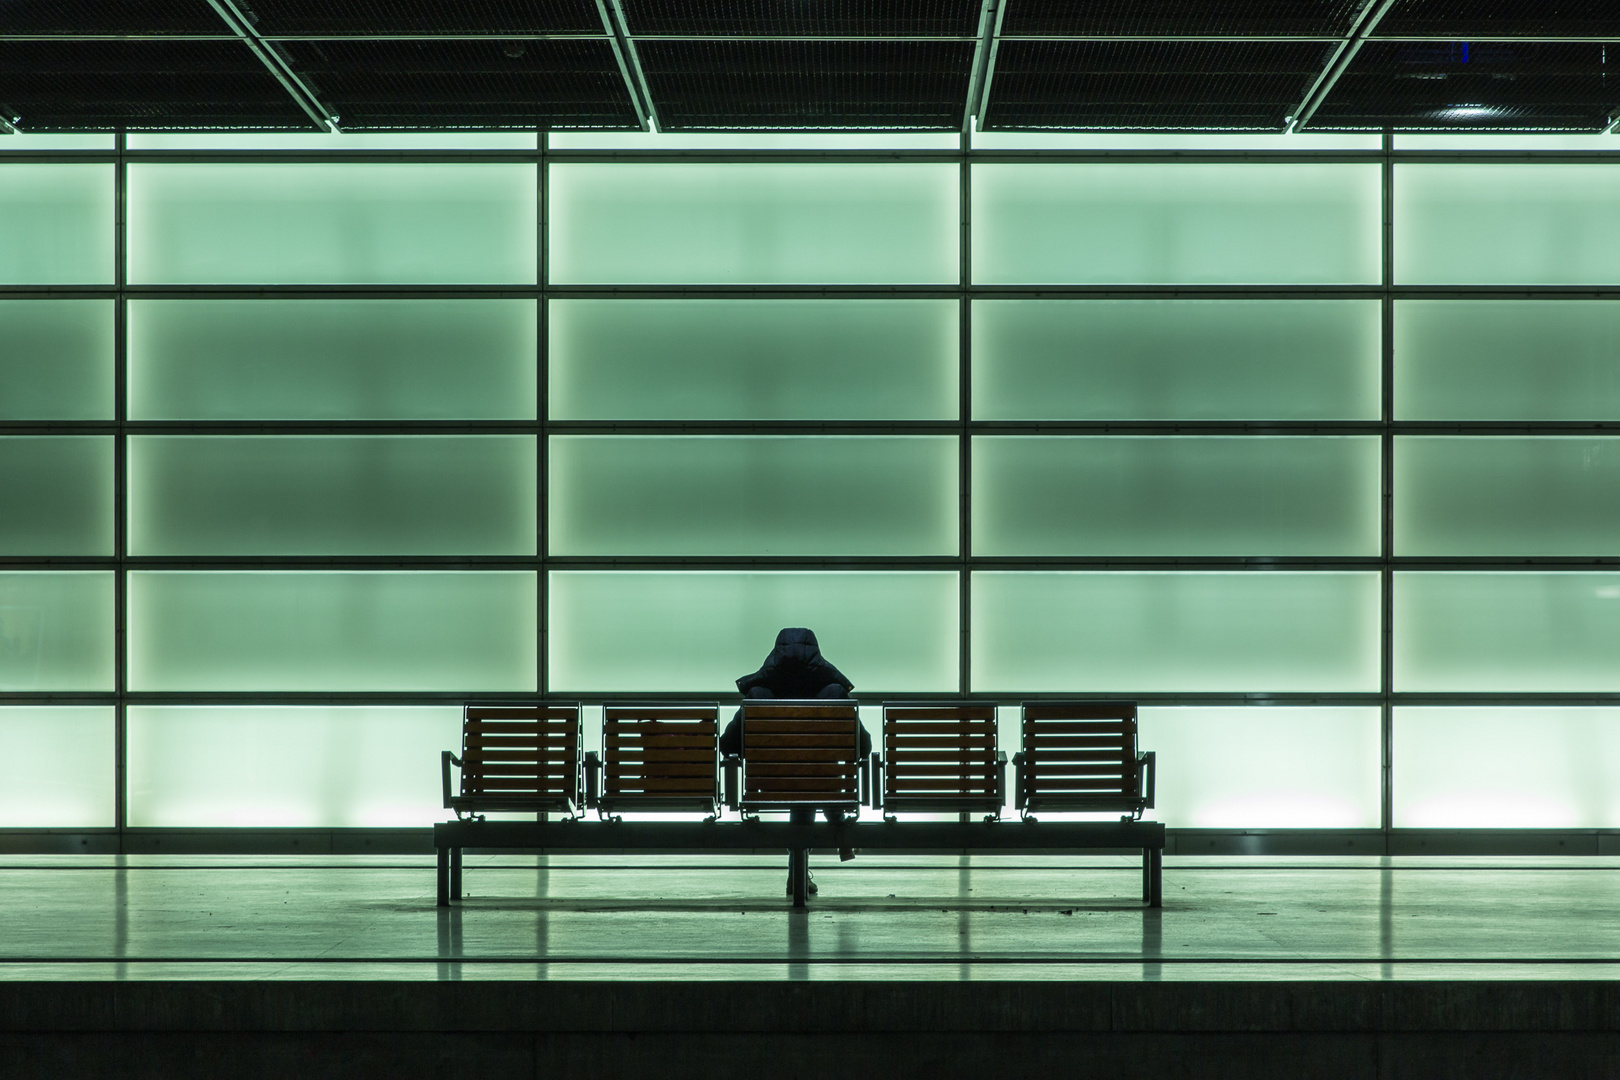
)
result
[(56, 768), (56, 224), (332, 495), (1170, 632), (56, 631), (754, 223), (753, 495), (56, 359), (1540, 768), (56, 495), (288, 767), (1265, 768), (1507, 496), (1175, 359), (345, 223), (753, 359), (332, 631), (1500, 224), (626, 632), (272, 359), (1178, 495), (1480, 633), (1507, 360), (1278, 224)]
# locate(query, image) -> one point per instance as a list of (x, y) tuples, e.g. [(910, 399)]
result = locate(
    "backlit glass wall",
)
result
[(1311, 447)]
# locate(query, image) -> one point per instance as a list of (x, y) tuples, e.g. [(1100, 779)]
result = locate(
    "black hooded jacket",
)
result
[(794, 668)]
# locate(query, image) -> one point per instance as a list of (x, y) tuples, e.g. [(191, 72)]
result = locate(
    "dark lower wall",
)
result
[(714, 1031)]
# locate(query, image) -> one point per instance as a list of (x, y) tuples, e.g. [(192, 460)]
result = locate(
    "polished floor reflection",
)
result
[(878, 917)]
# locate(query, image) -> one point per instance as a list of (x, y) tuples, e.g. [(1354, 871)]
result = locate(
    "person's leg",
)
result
[(839, 690), (802, 816)]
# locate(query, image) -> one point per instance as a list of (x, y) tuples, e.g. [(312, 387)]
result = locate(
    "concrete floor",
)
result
[(888, 918)]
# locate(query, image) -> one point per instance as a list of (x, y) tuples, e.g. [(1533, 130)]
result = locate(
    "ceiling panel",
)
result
[(1507, 18), (816, 84), (1180, 18), (479, 84), (109, 17), (143, 85), (1459, 85), (427, 17), (830, 18), (1134, 84)]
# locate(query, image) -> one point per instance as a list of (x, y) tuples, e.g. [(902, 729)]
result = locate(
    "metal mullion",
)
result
[(120, 490), (1386, 550), (542, 407), (964, 416)]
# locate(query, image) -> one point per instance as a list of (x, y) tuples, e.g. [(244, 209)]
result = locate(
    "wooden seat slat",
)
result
[(680, 768), (616, 714)]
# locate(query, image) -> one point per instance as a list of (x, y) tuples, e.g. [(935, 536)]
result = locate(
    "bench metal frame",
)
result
[(566, 799)]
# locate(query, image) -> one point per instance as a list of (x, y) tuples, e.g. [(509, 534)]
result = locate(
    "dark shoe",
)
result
[(809, 886), (845, 854)]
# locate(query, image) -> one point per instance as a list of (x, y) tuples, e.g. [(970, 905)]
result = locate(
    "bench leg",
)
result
[(455, 873), (1147, 875), (799, 874), (443, 876), (1156, 880)]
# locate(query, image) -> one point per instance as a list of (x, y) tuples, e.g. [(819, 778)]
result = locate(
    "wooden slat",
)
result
[(675, 768), (618, 714), (798, 715), (1080, 710)]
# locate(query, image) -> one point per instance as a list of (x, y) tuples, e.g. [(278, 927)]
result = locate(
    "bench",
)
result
[(940, 759), (799, 756), (657, 758), (516, 758), (1081, 756)]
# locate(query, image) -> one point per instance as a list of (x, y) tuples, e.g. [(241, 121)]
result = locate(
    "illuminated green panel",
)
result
[(1502, 495), (332, 631), (753, 495), (273, 359), (1482, 633), (754, 224), (1174, 632), (754, 359), (1260, 768), (56, 631), (56, 767), (288, 767), (1507, 360), (56, 495), (1500, 224), (625, 632), (1177, 495), (1127, 224), (341, 223), (56, 224), (1507, 768), (332, 495), (56, 359), (1175, 359)]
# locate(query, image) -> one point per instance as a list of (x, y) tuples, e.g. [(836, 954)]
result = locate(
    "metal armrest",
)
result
[(1147, 772), (730, 765), (864, 767), (593, 779), (877, 781), (447, 759), (1020, 788), (1001, 778)]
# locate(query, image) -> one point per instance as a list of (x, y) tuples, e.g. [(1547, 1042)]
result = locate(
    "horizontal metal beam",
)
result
[(492, 36)]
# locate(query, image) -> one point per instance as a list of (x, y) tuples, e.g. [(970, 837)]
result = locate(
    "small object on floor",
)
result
[(809, 885), (845, 854)]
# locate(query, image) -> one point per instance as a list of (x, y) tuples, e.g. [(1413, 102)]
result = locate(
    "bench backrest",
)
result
[(1080, 755), (659, 757), (800, 754), (941, 758), (519, 757)]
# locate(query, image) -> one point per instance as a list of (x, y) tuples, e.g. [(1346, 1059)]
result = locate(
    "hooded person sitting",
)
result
[(794, 668)]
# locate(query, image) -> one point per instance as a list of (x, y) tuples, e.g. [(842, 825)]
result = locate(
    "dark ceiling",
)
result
[(1242, 65)]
